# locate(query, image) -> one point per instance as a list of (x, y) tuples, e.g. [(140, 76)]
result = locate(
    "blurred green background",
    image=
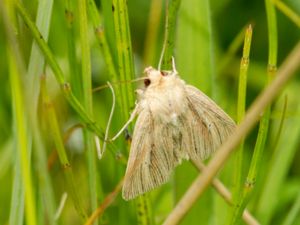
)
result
[(208, 44)]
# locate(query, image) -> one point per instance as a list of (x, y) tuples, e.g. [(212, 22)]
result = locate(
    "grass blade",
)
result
[(288, 12), (102, 39), (86, 77), (293, 213), (62, 155), (280, 161), (150, 45), (23, 187), (241, 105), (34, 72), (195, 60), (169, 39), (66, 89), (76, 81), (124, 53), (264, 123), (22, 142)]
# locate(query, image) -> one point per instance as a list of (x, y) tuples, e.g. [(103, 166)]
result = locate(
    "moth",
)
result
[(175, 122)]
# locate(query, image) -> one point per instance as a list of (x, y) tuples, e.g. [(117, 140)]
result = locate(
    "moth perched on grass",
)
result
[(175, 121)]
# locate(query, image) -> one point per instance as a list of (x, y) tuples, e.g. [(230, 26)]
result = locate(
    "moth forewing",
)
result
[(149, 163), (175, 121), (210, 124)]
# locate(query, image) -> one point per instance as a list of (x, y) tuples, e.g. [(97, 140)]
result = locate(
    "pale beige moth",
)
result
[(175, 121)]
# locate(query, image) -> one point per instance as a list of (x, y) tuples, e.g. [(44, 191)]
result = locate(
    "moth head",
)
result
[(155, 76)]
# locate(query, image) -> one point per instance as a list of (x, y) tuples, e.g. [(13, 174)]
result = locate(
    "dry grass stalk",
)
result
[(225, 193)]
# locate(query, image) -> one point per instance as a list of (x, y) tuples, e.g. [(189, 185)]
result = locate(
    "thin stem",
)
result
[(102, 39), (165, 62), (61, 205), (232, 50), (225, 193), (105, 204), (23, 190), (124, 52), (273, 36), (293, 213), (76, 80), (62, 155), (22, 145), (35, 70), (240, 115), (86, 77), (265, 120), (152, 32), (287, 11), (282, 119), (143, 210)]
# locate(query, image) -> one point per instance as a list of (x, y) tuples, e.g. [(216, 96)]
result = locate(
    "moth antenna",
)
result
[(110, 116), (118, 82), (174, 66), (97, 142), (132, 116)]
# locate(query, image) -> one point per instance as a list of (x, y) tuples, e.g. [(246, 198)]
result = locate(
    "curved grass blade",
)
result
[(66, 89)]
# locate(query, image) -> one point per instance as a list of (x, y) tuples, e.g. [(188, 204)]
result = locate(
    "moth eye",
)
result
[(147, 82)]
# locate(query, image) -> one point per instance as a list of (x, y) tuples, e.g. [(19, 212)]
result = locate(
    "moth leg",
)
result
[(132, 116)]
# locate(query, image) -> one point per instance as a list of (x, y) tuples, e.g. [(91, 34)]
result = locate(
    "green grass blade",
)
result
[(90, 123), (143, 210), (35, 70), (170, 34), (6, 157), (124, 53), (21, 140), (241, 106), (195, 59), (264, 123), (151, 39), (16, 215), (23, 188), (109, 28), (272, 36), (102, 39), (75, 77), (234, 46), (281, 159), (288, 12), (62, 155), (86, 77), (293, 213), (37, 60)]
